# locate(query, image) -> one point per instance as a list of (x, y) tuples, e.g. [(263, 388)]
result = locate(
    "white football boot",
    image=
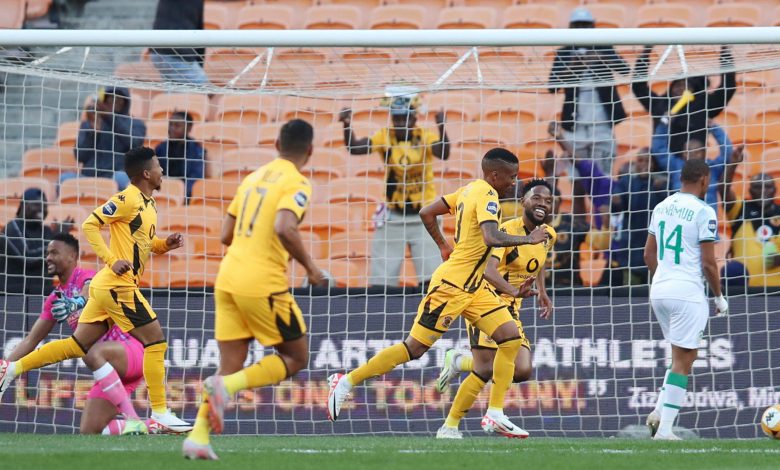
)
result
[(170, 423), (193, 451), (6, 377), (447, 432), (666, 437), (338, 392), (497, 422), (449, 371), (653, 421)]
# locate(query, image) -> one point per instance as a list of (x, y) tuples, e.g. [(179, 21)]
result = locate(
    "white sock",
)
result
[(459, 359), (345, 384), (659, 403), (675, 386), (103, 371), (11, 369)]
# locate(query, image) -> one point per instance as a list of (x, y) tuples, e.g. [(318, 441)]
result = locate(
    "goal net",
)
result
[(622, 118)]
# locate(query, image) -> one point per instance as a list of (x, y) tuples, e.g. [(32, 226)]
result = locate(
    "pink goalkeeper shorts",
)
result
[(134, 352)]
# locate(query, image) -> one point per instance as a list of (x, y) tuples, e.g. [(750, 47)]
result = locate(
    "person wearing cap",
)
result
[(23, 245), (106, 133), (407, 152), (590, 109)]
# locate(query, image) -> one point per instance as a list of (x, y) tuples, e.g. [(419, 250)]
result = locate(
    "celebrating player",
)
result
[(512, 271), (251, 291), (680, 248), (458, 287), (120, 354), (114, 297)]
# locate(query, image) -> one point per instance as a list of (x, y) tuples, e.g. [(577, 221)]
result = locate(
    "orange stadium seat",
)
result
[(223, 65), (7, 214), (397, 17), (733, 14), (319, 112), (266, 135), (354, 189), (214, 193), (335, 158), (194, 272), (633, 134), (767, 107), (346, 273), (369, 167), (482, 136), (248, 109), (237, 164), (208, 247), (514, 108), (195, 104), (342, 75), (68, 134), (13, 14), (48, 163), (350, 245), (332, 17), (408, 274), (86, 253), (453, 170), (370, 112), (87, 192), (609, 15), (193, 220), (318, 249), (170, 195), (770, 162), (531, 16), (267, 16), (141, 71), (466, 18), (217, 15), (776, 17), (302, 55), (218, 137), (325, 220), (12, 189), (37, 8), (457, 106), (156, 132), (665, 15), (61, 212)]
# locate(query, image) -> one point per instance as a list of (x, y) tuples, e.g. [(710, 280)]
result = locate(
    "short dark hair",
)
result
[(67, 239), (136, 160), (181, 116), (295, 137), (500, 154), (534, 183), (694, 170)]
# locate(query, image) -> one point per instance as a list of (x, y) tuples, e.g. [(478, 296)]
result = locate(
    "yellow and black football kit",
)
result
[(408, 168), (755, 232), (252, 291), (457, 286), (516, 264), (132, 221)]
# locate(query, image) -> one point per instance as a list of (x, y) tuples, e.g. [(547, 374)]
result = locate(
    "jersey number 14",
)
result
[(673, 242)]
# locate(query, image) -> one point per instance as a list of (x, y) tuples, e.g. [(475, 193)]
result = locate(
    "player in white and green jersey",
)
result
[(680, 253)]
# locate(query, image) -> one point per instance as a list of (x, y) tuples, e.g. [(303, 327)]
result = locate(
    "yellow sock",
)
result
[(200, 431), (269, 371), (466, 364), (154, 374), (464, 399), (503, 370), (385, 361), (50, 353)]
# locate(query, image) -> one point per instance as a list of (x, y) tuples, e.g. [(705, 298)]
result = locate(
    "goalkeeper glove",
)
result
[(721, 306), (64, 306)]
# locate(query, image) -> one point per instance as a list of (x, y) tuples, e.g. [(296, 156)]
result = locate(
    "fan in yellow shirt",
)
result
[(512, 271), (458, 288), (251, 293)]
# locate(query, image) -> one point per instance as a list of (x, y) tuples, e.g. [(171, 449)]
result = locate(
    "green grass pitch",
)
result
[(64, 452)]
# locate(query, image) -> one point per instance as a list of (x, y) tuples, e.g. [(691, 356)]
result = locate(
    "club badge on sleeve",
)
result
[(301, 199), (492, 207), (109, 208)]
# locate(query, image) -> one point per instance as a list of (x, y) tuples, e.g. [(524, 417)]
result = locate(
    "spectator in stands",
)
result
[(23, 245), (407, 152), (755, 227), (181, 64), (590, 110), (106, 133), (694, 149), (687, 106), (181, 156)]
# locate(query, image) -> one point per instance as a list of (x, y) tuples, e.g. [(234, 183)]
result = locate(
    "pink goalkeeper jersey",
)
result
[(73, 288)]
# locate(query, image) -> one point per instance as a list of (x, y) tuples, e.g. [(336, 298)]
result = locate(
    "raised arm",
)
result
[(724, 144), (440, 148), (725, 189), (718, 98), (286, 228), (428, 215), (355, 145), (494, 237), (656, 105)]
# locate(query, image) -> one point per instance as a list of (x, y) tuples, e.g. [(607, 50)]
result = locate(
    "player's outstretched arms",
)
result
[(494, 237), (286, 228), (428, 216)]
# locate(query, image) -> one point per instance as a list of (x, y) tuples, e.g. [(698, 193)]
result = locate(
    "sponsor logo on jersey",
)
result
[(492, 207), (109, 208), (300, 198), (712, 225)]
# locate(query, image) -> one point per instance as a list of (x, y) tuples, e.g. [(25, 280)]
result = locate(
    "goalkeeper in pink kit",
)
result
[(116, 360)]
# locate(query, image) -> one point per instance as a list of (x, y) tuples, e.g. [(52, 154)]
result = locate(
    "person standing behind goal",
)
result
[(680, 249), (407, 152)]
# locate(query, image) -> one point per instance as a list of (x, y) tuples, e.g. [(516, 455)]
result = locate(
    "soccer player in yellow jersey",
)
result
[(252, 292), (511, 271), (458, 288), (114, 298)]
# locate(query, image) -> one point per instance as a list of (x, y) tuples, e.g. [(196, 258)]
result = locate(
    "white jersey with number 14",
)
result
[(680, 223)]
